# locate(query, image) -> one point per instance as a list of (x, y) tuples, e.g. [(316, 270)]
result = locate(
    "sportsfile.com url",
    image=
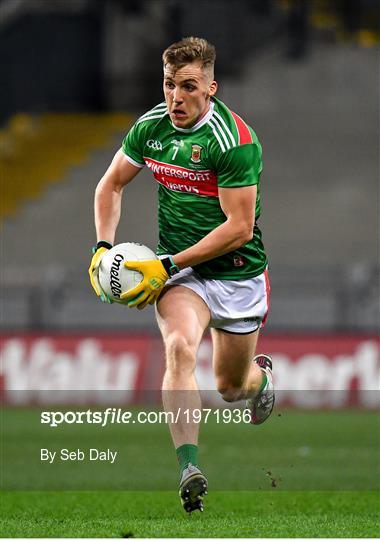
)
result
[(118, 416)]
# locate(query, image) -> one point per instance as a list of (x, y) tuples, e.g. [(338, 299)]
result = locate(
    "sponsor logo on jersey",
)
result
[(238, 260), (155, 145), (179, 178), (196, 153)]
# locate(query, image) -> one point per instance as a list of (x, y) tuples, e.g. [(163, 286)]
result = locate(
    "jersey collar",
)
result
[(199, 124)]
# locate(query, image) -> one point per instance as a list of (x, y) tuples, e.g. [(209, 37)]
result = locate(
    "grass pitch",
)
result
[(302, 474), (158, 514)]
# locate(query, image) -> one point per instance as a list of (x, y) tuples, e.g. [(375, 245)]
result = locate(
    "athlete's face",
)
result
[(187, 93)]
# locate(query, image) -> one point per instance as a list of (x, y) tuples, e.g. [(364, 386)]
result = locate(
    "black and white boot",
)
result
[(192, 488)]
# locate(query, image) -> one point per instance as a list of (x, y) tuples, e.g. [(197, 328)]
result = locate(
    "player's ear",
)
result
[(212, 88)]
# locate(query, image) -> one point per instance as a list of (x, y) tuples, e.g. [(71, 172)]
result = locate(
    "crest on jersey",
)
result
[(196, 153), (238, 260)]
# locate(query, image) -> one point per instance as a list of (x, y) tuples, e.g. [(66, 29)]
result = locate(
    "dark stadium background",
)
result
[(305, 75)]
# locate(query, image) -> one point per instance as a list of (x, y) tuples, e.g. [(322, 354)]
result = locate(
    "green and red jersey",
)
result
[(190, 165)]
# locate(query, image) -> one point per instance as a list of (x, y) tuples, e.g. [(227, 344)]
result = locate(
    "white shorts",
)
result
[(237, 306)]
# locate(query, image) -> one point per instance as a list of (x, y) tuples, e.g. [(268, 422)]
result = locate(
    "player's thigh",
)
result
[(232, 355), (182, 317)]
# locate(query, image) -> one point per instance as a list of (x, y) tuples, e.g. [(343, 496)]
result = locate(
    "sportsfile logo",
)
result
[(113, 415), (154, 145)]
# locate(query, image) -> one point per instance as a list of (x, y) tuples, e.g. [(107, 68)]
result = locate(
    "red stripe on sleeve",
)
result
[(244, 133)]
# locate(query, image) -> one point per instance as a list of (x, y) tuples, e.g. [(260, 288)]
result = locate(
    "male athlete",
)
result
[(212, 270)]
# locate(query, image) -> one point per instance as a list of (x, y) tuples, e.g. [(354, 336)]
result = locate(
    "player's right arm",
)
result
[(108, 196), (107, 204)]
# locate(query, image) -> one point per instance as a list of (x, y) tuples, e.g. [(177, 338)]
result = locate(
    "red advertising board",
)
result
[(309, 371)]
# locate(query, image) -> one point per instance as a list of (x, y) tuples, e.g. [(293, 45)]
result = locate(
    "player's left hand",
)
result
[(149, 289)]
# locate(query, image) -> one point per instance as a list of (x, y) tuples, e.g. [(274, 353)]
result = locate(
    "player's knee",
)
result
[(180, 353), (228, 391)]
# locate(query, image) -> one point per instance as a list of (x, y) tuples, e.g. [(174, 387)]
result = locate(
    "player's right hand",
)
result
[(93, 271), (149, 289)]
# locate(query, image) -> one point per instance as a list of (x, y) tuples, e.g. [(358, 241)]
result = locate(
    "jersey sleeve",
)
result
[(133, 145), (240, 166)]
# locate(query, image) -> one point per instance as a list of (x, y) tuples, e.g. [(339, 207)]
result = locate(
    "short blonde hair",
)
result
[(188, 50)]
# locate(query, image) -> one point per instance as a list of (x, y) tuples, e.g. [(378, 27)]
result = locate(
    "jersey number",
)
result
[(175, 152)]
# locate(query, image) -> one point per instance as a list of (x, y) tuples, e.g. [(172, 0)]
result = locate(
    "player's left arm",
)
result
[(238, 205)]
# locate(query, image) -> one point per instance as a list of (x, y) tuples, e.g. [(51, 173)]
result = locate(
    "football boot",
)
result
[(192, 488), (261, 405)]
